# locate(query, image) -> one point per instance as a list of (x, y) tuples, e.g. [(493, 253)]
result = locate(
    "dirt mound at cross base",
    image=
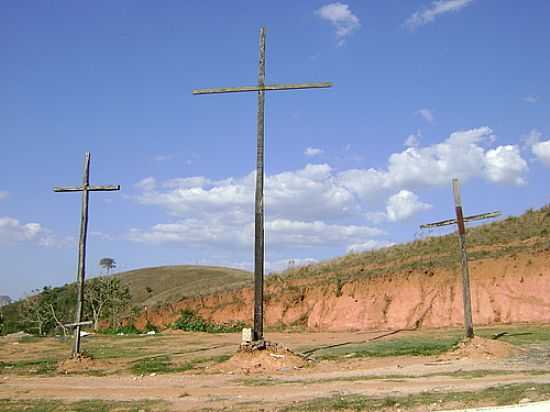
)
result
[(81, 364), (482, 348), (271, 359)]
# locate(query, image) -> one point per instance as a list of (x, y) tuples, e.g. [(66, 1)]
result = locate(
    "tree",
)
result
[(105, 296), (108, 264)]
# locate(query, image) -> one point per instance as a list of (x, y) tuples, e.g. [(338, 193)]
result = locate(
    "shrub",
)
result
[(191, 322)]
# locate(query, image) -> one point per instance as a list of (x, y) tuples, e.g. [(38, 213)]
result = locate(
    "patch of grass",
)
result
[(192, 322), (8, 405), (498, 395), (33, 367), (518, 335), (411, 346), (160, 364)]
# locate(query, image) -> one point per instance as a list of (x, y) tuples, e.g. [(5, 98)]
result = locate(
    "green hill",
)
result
[(167, 284)]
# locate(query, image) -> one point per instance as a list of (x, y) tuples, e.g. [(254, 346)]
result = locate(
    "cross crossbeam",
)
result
[(260, 88), (467, 219), (268, 87), (85, 188), (459, 221), (92, 188)]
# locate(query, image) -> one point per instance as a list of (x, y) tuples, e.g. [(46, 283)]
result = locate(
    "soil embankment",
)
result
[(508, 289)]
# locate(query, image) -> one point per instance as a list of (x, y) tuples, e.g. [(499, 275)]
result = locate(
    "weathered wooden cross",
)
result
[(85, 188), (460, 220), (261, 88)]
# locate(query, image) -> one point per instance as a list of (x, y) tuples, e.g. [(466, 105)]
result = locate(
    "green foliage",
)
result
[(34, 367), (191, 322), (410, 346), (127, 330)]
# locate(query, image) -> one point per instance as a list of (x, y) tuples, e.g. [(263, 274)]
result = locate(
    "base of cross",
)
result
[(256, 345)]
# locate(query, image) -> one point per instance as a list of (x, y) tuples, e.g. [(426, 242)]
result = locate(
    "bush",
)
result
[(191, 322), (127, 330)]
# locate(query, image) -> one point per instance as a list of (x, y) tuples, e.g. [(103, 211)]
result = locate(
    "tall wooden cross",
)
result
[(85, 188), (261, 88), (459, 221)]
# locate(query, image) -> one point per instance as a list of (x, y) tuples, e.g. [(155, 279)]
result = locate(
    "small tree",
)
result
[(106, 296), (108, 264)]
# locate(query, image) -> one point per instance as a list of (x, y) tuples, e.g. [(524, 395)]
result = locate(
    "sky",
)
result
[(424, 91)]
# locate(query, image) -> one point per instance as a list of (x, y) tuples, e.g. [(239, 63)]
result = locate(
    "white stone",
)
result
[(247, 335)]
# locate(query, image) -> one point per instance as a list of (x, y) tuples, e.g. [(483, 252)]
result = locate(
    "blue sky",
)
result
[(424, 91)]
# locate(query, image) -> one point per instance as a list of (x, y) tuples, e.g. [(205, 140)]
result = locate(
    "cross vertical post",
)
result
[(467, 299), (261, 88), (82, 253), (259, 201), (86, 188), (460, 222)]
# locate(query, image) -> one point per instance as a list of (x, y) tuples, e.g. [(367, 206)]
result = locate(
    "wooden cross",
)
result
[(261, 88), (460, 220), (85, 188)]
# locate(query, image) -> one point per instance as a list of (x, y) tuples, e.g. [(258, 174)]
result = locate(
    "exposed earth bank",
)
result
[(510, 289)]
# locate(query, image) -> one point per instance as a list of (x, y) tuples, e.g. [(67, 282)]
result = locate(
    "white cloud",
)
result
[(163, 157), (312, 151), (426, 114), (403, 205), (436, 9), (542, 151), (413, 140), (341, 17), (3, 195), (531, 99), (12, 231), (318, 206), (369, 245), (146, 184), (539, 147)]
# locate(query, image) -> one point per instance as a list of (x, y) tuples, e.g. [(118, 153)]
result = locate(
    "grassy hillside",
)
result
[(506, 237), (166, 284)]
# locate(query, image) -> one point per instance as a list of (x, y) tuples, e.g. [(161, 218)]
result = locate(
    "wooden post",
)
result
[(82, 253), (86, 188), (259, 204), (261, 88), (468, 322)]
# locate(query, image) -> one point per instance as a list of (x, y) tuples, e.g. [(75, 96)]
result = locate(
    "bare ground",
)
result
[(228, 385)]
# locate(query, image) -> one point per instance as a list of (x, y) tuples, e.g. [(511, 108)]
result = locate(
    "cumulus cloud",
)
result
[(317, 205), (403, 205), (426, 114), (312, 151), (437, 8), (12, 230), (539, 147), (341, 18), (413, 140)]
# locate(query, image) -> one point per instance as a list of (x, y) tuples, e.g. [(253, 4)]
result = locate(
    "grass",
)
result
[(406, 346), (501, 238), (7, 405), (164, 364), (498, 395), (30, 367)]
